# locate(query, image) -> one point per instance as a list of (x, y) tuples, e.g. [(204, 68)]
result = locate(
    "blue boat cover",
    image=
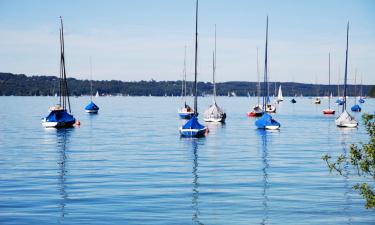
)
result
[(92, 106), (361, 100), (356, 108), (193, 124), (266, 120), (339, 101), (60, 116)]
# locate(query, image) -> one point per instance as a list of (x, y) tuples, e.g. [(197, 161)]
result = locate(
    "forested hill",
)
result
[(22, 85)]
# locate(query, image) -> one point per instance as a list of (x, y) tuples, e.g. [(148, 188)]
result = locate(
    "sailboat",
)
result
[(91, 107), (329, 111), (60, 114), (214, 113), (345, 119), (186, 112), (355, 107), (317, 98), (280, 95), (361, 99), (257, 109), (266, 121), (193, 128)]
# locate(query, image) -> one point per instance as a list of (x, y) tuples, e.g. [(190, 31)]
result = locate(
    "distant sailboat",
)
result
[(317, 98), (58, 115), (355, 107), (91, 107), (329, 111), (193, 128), (280, 95), (186, 112), (361, 99), (257, 109), (214, 113), (266, 121), (345, 119), (97, 94)]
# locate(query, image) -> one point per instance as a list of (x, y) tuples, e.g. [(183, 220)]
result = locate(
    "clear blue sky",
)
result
[(144, 39)]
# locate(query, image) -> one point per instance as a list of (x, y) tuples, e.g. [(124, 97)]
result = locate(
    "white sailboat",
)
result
[(214, 113), (345, 119), (257, 109), (280, 95), (97, 94), (185, 112)]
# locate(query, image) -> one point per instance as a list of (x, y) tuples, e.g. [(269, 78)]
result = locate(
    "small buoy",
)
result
[(78, 123)]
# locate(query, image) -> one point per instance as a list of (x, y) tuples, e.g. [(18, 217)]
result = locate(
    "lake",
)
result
[(128, 165)]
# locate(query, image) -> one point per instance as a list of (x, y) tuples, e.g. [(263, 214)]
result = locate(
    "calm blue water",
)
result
[(128, 165)]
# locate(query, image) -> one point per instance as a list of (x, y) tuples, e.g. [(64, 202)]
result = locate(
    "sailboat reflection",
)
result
[(346, 174), (265, 165), (195, 195), (62, 136)]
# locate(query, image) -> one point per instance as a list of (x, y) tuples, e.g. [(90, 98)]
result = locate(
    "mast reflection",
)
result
[(193, 143), (265, 165), (344, 137), (62, 136)]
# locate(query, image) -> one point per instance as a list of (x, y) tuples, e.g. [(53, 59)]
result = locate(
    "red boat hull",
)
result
[(328, 112), (254, 114)]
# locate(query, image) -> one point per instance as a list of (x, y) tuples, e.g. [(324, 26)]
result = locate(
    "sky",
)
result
[(132, 40)]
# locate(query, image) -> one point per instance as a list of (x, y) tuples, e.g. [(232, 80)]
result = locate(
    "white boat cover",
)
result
[(346, 120), (214, 112)]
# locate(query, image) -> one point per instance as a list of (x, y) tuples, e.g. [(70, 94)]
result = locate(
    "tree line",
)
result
[(22, 85)]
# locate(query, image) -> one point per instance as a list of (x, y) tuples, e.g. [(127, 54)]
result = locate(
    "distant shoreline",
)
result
[(22, 85)]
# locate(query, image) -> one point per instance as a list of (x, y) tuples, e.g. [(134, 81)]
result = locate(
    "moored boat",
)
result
[(60, 114), (192, 128), (266, 121), (345, 119), (329, 111)]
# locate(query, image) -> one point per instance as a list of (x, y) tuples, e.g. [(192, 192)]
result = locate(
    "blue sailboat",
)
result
[(266, 121), (60, 114), (355, 107), (193, 128), (91, 107)]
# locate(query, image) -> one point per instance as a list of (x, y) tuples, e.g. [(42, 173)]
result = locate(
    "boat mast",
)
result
[(338, 82), (355, 85), (329, 80), (361, 88), (90, 80), (346, 67), (265, 83), (184, 79), (196, 62), (258, 85), (65, 84), (61, 72), (214, 69)]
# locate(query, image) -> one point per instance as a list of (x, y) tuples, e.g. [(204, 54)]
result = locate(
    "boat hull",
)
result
[(94, 111), (57, 124), (254, 114), (271, 127), (328, 112), (193, 132), (185, 115)]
